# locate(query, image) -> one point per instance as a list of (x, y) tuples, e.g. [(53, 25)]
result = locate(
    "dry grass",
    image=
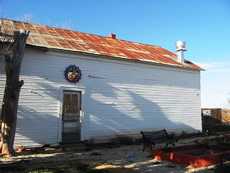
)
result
[(123, 159)]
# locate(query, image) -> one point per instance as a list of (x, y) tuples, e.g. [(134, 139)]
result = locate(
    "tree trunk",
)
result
[(11, 93)]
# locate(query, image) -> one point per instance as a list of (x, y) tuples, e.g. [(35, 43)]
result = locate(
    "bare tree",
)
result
[(12, 49)]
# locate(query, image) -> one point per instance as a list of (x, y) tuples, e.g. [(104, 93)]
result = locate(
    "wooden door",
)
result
[(71, 122)]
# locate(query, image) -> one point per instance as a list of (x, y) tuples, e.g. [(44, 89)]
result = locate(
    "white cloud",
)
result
[(215, 84), (223, 66), (27, 17), (66, 24), (205, 65)]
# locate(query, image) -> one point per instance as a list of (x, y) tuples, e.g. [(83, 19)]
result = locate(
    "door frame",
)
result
[(61, 95)]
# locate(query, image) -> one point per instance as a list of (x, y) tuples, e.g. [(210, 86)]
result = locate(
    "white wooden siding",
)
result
[(2, 82), (119, 97)]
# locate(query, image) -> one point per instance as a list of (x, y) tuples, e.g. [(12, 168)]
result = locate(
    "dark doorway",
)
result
[(71, 124)]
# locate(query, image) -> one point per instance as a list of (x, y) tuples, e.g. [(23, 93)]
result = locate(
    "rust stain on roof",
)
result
[(63, 39)]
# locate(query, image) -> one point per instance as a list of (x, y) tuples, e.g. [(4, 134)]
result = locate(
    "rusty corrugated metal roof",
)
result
[(63, 39)]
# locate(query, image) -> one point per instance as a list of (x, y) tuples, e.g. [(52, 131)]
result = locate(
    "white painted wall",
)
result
[(2, 81), (119, 97)]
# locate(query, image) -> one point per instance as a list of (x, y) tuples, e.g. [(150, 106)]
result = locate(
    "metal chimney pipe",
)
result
[(180, 49)]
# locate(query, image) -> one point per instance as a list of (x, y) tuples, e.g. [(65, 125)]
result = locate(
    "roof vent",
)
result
[(180, 49), (113, 36)]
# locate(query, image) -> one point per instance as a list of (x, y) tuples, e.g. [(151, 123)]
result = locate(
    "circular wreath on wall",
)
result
[(72, 73)]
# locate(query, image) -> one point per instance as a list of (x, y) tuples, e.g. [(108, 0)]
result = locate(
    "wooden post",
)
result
[(11, 93)]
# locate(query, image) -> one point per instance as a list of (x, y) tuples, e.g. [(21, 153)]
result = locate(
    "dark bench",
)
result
[(151, 138)]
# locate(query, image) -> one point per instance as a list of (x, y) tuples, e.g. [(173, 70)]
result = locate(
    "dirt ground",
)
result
[(121, 159)]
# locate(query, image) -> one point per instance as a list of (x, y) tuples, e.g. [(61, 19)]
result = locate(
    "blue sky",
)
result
[(204, 25)]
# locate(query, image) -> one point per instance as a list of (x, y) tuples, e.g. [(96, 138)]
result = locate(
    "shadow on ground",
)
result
[(123, 159)]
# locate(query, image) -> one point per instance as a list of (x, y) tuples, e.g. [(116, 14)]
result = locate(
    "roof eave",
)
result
[(46, 49)]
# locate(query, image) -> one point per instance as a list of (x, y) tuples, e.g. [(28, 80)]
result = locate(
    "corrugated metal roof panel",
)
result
[(44, 36)]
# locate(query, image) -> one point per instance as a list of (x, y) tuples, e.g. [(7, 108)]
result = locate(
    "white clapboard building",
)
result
[(80, 86)]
